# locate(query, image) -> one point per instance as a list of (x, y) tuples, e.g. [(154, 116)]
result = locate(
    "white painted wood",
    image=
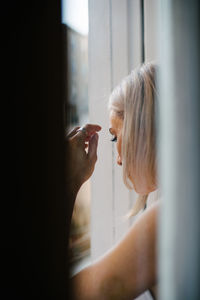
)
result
[(119, 71), (119, 40), (134, 34), (108, 64), (99, 91), (134, 44), (114, 50), (151, 29), (126, 49)]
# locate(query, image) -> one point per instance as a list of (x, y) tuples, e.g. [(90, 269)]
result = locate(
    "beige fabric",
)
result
[(153, 197)]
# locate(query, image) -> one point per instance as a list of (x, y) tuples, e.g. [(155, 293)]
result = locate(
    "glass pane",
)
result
[(75, 18)]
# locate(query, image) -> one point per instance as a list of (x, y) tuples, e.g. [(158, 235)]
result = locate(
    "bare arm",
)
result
[(128, 269)]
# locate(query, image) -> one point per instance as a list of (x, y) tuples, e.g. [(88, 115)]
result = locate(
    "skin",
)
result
[(129, 268), (82, 163), (115, 129)]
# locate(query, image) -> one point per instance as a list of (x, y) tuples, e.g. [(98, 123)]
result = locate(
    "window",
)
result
[(121, 35), (75, 18)]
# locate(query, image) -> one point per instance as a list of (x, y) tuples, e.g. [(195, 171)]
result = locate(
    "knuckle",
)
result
[(76, 128)]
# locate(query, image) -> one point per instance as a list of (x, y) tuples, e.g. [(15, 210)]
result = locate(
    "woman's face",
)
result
[(116, 125), (115, 129)]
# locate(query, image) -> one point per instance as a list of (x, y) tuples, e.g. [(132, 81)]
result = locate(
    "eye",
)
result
[(114, 139)]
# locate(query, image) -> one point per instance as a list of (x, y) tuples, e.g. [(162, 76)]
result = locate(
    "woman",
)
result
[(129, 269)]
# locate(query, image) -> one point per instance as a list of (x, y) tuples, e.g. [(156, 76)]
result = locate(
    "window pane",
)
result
[(75, 18)]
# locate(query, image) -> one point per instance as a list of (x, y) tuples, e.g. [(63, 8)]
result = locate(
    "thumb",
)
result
[(92, 147)]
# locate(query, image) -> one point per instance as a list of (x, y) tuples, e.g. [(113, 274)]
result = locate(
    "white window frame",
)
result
[(114, 50)]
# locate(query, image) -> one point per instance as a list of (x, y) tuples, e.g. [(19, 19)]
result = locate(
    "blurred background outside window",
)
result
[(75, 20)]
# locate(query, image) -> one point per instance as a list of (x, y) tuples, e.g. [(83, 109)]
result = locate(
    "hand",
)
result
[(82, 153)]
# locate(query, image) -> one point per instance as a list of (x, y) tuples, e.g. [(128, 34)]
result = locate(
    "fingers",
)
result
[(73, 132), (88, 132), (84, 138), (92, 147), (92, 127)]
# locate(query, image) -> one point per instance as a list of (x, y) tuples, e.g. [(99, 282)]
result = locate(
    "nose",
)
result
[(119, 160)]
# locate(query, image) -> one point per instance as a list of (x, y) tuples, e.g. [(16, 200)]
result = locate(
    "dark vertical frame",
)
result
[(35, 246)]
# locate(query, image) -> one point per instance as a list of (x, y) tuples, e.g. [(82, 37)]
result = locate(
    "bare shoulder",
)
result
[(131, 265), (129, 268), (149, 218)]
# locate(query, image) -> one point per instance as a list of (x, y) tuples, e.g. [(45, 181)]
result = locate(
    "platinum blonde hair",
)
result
[(134, 102)]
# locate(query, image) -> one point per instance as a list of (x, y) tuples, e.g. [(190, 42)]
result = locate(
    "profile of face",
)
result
[(116, 125), (128, 115)]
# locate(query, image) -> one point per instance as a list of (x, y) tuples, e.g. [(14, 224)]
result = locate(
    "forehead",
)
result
[(115, 122)]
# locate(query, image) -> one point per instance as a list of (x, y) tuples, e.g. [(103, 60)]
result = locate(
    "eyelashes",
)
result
[(114, 139)]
